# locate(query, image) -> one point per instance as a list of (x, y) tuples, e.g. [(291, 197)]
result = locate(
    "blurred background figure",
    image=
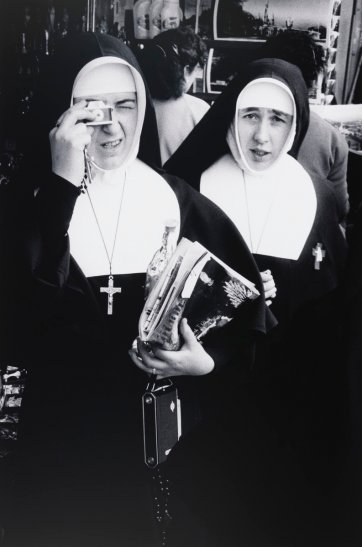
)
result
[(170, 62), (324, 151)]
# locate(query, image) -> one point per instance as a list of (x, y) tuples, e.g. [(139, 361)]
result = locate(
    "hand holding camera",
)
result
[(68, 139)]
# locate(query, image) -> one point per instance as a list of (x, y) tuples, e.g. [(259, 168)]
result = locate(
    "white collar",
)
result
[(148, 201), (272, 225)]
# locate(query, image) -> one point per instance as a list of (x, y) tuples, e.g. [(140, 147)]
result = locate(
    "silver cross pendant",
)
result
[(318, 253), (110, 290)]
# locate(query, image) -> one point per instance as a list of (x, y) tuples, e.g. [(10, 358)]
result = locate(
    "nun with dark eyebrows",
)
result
[(241, 155), (95, 223), (249, 140)]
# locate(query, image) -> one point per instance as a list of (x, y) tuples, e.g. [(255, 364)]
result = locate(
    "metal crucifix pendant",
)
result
[(318, 254), (110, 290)]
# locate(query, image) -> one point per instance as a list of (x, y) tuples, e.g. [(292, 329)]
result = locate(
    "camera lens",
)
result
[(99, 115)]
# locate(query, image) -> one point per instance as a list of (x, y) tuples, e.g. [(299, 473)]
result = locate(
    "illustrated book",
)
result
[(197, 285)]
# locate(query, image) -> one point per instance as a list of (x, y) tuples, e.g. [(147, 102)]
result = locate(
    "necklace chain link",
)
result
[(89, 177)]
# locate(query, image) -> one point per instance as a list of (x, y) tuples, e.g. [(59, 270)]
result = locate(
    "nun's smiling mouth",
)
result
[(111, 145)]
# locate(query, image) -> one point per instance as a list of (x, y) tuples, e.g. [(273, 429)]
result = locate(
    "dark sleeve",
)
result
[(324, 155), (338, 174), (49, 252), (234, 343), (34, 252), (55, 203)]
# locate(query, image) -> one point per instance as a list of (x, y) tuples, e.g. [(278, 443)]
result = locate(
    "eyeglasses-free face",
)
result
[(262, 135)]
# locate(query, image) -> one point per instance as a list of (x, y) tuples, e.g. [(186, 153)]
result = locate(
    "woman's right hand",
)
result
[(269, 286), (190, 360), (68, 140)]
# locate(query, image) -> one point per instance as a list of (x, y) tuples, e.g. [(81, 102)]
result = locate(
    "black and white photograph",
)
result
[(180, 273)]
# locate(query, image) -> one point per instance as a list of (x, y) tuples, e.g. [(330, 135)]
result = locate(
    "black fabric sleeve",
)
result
[(34, 252), (49, 251), (338, 175), (230, 344), (55, 204)]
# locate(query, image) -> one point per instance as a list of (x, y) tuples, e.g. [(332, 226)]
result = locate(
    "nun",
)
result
[(249, 141), (86, 241), (242, 157)]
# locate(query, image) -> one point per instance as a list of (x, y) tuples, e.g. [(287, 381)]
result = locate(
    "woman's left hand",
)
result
[(270, 290), (191, 359)]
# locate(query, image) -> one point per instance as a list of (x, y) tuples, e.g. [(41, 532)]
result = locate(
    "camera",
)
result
[(161, 409), (103, 113)]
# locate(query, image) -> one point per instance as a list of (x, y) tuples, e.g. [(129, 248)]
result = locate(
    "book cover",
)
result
[(198, 286)]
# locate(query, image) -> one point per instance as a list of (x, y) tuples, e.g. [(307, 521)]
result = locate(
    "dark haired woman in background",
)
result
[(169, 64)]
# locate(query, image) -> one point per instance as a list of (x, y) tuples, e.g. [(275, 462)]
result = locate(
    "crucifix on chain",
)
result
[(110, 290), (318, 254)]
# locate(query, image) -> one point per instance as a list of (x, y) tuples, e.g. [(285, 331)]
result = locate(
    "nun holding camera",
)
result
[(92, 229)]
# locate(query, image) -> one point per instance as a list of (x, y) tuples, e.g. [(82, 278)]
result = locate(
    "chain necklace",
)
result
[(110, 289), (256, 249)]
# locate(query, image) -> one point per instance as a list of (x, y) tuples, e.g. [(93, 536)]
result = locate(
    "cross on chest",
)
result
[(110, 290), (318, 253)]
